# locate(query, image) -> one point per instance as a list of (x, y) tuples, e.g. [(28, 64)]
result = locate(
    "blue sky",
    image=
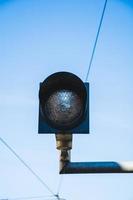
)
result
[(38, 38)]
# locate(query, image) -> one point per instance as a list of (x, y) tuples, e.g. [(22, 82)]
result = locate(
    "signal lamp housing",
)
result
[(63, 104)]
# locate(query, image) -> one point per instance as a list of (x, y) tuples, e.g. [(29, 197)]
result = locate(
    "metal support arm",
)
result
[(96, 167), (64, 144)]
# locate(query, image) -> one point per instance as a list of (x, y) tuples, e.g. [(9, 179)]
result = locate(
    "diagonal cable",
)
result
[(27, 166), (96, 40), (60, 183), (46, 197), (29, 197)]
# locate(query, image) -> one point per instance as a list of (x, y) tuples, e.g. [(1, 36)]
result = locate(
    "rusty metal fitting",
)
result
[(63, 141), (65, 155)]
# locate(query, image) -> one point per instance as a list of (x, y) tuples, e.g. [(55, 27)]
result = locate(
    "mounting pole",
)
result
[(64, 144)]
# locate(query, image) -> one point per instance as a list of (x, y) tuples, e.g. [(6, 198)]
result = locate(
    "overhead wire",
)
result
[(90, 63), (59, 185), (46, 197), (43, 198), (29, 197), (27, 166), (96, 39)]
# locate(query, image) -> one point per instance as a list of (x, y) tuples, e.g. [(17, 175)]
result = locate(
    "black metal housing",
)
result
[(68, 81)]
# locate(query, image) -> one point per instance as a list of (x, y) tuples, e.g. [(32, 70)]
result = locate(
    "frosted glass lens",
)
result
[(63, 107)]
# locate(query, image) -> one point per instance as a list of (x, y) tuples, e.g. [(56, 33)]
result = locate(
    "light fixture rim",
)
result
[(43, 87)]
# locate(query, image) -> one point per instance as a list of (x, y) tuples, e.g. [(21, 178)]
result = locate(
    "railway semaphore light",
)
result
[(63, 104)]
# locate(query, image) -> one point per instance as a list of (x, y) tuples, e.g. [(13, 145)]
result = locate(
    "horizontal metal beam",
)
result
[(96, 167)]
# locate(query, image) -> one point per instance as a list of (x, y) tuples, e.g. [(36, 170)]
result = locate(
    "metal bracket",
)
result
[(64, 144)]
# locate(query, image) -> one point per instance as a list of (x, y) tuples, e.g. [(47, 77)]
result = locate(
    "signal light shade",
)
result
[(63, 104)]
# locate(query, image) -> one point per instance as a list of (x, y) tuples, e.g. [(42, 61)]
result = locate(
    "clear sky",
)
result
[(40, 37)]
